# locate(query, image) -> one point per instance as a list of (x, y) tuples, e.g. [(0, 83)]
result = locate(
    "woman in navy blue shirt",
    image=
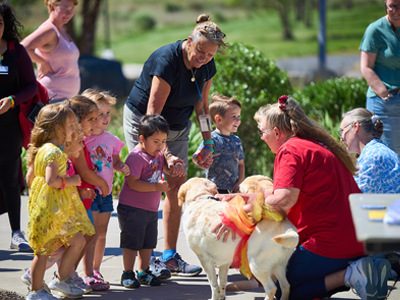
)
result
[(176, 81)]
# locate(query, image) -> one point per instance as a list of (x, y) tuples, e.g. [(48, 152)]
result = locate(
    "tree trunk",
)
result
[(90, 10), (284, 14)]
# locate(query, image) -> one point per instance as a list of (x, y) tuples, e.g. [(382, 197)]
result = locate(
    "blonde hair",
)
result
[(369, 122), (292, 120), (56, 3), (81, 106), (100, 97), (209, 30), (220, 104), (46, 128)]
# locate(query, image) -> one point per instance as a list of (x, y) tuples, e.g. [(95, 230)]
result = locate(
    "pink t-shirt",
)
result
[(101, 149), (63, 59), (147, 168)]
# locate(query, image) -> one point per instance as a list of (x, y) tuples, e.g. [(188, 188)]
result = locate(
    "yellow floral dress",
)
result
[(55, 215)]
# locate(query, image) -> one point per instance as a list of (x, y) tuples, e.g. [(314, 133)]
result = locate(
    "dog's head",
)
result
[(194, 188), (256, 183)]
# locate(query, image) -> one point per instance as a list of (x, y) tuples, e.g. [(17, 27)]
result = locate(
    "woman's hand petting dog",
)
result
[(222, 229)]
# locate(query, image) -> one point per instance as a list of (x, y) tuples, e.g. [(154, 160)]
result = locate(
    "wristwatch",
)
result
[(387, 97)]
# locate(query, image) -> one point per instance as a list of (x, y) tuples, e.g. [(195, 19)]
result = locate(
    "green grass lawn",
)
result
[(261, 30)]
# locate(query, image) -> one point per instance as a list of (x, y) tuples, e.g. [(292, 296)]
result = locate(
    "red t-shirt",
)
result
[(87, 202), (322, 213)]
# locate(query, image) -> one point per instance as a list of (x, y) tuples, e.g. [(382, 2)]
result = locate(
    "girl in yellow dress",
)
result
[(56, 214)]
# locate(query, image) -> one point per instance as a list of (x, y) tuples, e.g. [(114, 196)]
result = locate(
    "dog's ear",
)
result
[(182, 194)]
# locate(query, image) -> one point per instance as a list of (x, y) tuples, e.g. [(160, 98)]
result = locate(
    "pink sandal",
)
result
[(96, 283)]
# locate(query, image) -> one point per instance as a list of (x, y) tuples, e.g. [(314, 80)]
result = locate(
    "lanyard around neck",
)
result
[(394, 29), (195, 80)]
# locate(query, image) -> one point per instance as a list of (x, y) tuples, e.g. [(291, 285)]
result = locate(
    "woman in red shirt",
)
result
[(313, 178)]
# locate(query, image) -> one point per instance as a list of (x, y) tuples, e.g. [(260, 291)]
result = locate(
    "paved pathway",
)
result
[(12, 264)]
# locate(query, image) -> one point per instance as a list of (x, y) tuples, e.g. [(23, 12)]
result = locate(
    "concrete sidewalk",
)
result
[(12, 264)]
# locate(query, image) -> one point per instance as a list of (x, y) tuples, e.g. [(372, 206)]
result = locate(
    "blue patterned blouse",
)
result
[(379, 169)]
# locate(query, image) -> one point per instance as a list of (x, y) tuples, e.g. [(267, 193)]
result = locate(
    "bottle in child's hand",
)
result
[(196, 158)]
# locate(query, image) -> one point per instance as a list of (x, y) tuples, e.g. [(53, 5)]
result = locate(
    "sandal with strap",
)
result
[(96, 283)]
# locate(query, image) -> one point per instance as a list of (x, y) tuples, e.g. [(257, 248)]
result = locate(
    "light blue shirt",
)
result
[(380, 38), (228, 151), (379, 169)]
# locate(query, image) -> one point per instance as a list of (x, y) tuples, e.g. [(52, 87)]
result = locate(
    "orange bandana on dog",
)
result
[(239, 221)]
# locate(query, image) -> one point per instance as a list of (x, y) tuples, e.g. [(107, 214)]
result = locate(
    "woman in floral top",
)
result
[(378, 165)]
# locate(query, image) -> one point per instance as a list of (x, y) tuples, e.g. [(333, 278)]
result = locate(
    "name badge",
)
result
[(205, 123), (3, 70)]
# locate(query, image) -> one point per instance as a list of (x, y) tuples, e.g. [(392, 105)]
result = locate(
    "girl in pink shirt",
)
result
[(104, 149)]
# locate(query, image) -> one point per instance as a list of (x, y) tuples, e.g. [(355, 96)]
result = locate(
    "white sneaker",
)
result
[(361, 279), (19, 242), (79, 283), (26, 279), (40, 295), (64, 288)]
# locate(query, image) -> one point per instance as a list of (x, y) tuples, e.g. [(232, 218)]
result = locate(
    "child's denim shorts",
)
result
[(102, 204)]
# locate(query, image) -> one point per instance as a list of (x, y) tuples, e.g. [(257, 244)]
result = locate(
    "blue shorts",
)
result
[(90, 215), (102, 204)]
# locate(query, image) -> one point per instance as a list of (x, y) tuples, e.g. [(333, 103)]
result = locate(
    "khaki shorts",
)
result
[(177, 141)]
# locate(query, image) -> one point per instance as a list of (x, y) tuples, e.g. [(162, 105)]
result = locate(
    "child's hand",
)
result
[(162, 186), (75, 180), (87, 193), (125, 169), (105, 190)]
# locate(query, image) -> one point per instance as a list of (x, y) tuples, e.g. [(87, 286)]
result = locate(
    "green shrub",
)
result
[(172, 7), (256, 81), (145, 22), (335, 96)]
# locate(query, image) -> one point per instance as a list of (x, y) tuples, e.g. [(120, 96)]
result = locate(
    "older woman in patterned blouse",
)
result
[(378, 165)]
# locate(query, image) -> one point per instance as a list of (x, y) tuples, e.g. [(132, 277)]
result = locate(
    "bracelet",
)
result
[(209, 148), (63, 183), (12, 101), (208, 142), (168, 154), (387, 97)]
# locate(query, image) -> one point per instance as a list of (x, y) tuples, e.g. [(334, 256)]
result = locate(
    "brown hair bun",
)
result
[(202, 18)]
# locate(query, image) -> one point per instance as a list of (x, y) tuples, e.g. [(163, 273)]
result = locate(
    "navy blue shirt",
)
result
[(167, 62)]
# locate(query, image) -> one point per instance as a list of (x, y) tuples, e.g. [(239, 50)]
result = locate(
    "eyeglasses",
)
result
[(261, 132), (65, 11), (340, 131), (392, 7), (215, 34)]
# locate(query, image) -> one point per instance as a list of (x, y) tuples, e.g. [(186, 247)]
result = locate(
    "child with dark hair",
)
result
[(139, 201)]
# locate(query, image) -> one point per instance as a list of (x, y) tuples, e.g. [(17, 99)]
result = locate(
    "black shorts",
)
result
[(139, 228)]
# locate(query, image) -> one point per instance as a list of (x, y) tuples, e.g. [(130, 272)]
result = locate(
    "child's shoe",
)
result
[(40, 295), (26, 279), (96, 283), (148, 278), (158, 268), (79, 283), (64, 288), (129, 280), (98, 274)]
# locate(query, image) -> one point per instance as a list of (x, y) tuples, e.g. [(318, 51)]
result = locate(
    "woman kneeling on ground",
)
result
[(313, 178)]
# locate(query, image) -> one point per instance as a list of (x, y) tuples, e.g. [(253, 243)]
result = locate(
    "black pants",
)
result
[(10, 188)]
